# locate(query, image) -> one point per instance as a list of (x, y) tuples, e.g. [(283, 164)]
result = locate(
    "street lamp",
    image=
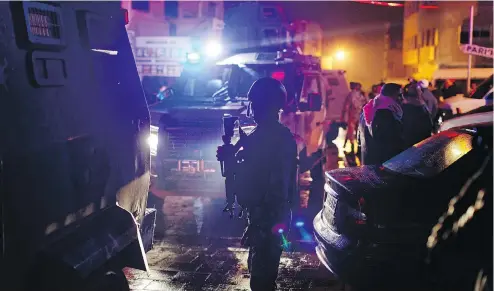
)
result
[(340, 55)]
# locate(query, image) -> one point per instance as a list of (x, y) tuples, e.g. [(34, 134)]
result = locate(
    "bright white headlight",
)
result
[(213, 49), (153, 143)]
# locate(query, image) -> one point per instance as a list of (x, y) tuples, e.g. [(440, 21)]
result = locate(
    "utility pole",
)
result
[(470, 42)]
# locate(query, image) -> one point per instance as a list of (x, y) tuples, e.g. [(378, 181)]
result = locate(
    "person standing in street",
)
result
[(376, 89), (266, 181), (351, 112), (380, 133), (417, 122), (429, 98)]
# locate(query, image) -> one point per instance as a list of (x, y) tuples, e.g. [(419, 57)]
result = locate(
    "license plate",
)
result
[(189, 166), (193, 167)]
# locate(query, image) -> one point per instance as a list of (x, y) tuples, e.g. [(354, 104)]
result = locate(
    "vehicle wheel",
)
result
[(110, 280)]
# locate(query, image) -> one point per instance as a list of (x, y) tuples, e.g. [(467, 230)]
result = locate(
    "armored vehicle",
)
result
[(190, 120), (75, 165)]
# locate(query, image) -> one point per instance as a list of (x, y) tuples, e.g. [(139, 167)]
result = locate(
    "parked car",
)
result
[(461, 104), (460, 244), (375, 220), (480, 115)]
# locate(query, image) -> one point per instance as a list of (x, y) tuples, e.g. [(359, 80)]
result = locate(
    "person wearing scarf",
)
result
[(380, 134)]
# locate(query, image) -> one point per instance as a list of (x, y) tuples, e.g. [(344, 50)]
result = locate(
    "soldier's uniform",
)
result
[(265, 182), (267, 187)]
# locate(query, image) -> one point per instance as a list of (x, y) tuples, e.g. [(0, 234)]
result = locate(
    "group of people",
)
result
[(391, 119), (267, 158)]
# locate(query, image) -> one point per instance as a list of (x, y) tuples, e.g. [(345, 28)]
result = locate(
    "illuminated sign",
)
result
[(161, 56)]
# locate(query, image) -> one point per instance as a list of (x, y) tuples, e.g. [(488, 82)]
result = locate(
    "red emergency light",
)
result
[(380, 3), (126, 16), (394, 4), (280, 76)]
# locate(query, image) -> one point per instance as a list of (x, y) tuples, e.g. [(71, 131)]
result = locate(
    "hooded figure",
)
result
[(380, 128), (417, 122), (429, 98)]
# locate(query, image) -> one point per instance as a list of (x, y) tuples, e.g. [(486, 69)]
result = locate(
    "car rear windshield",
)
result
[(433, 155)]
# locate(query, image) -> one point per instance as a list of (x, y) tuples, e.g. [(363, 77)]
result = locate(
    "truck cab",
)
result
[(74, 161)]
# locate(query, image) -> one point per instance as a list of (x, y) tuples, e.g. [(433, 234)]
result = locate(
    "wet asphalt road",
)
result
[(198, 248), (220, 264)]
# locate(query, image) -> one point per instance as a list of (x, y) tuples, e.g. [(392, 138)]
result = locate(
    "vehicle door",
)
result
[(312, 131), (337, 91)]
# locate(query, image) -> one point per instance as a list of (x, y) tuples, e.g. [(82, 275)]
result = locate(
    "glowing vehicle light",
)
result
[(193, 57), (153, 143), (299, 224), (108, 52), (213, 49), (280, 230)]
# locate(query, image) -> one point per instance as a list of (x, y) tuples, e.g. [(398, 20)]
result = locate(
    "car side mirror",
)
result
[(314, 102)]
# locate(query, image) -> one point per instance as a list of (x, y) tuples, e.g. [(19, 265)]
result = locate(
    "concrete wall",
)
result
[(365, 53)]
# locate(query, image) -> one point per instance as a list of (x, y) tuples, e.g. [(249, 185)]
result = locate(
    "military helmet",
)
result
[(269, 92)]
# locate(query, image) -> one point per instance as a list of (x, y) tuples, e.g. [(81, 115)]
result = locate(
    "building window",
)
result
[(480, 34), (140, 5), (414, 42), (189, 9), (211, 9), (171, 9), (172, 29)]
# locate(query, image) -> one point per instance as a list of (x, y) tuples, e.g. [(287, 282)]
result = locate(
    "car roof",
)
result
[(468, 120), (261, 58)]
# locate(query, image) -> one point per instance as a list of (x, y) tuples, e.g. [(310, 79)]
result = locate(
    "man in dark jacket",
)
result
[(380, 128), (417, 122)]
